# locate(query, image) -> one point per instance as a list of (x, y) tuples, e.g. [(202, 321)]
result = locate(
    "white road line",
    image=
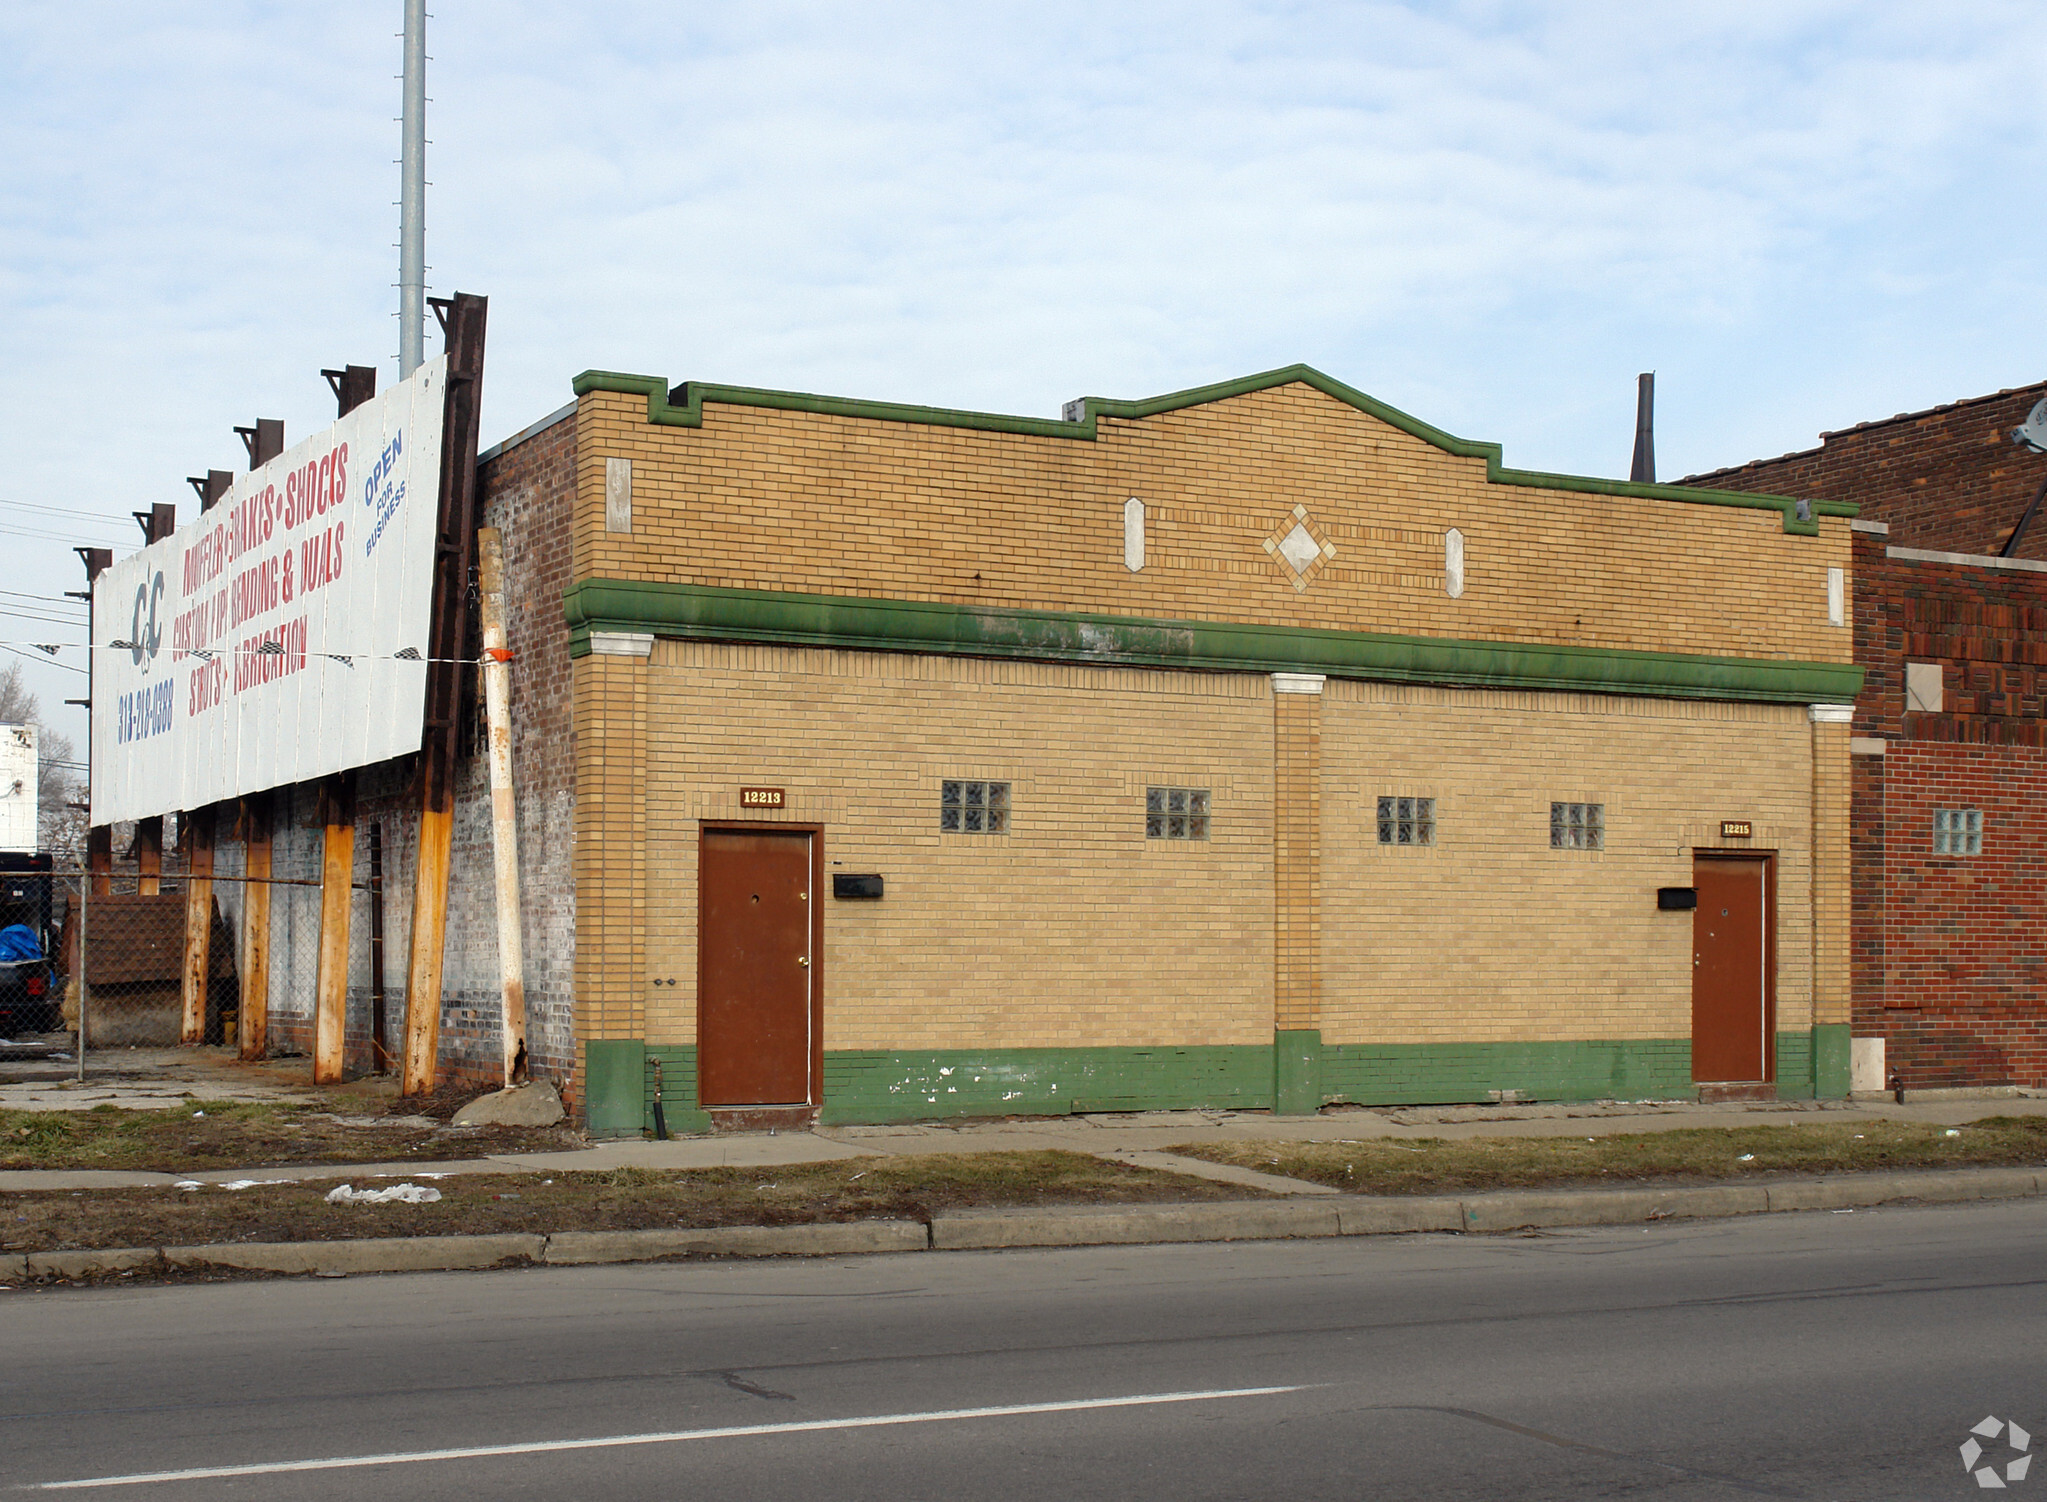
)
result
[(549, 1447)]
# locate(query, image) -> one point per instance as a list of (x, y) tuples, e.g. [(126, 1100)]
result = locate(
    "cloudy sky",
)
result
[(1800, 213)]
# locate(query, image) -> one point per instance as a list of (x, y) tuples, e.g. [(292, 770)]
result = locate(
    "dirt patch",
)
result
[(227, 1134), (621, 1199), (1430, 1165)]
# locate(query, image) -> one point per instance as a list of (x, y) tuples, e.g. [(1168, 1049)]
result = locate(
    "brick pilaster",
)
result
[(1297, 890)]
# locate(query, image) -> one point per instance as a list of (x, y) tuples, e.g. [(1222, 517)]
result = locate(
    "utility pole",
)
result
[(412, 197)]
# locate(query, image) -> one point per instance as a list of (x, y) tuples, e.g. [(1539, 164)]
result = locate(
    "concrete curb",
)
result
[(1089, 1225)]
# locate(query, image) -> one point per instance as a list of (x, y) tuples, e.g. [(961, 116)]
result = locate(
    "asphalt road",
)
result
[(1824, 1356)]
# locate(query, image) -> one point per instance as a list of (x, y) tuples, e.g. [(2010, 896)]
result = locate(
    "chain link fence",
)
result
[(113, 948)]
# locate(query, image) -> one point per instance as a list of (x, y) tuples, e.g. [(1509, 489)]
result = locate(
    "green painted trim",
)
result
[(664, 409), (871, 1086), (1297, 1069), (1830, 1070), (703, 611), (678, 1090), (1452, 1073), (1794, 1065), (612, 1071)]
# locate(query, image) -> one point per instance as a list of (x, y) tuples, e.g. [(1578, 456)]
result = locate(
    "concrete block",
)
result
[(86, 1264), (384, 1255), (1368, 1215), (537, 1103), (1243, 1220), (13, 1267), (831, 1239)]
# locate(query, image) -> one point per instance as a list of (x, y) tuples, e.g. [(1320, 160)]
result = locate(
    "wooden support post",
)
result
[(497, 699), (99, 858), (252, 1028), (463, 321), (337, 869), (149, 855), (198, 832)]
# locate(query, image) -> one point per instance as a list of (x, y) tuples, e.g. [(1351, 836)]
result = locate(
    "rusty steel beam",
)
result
[(198, 833), (337, 866), (252, 1027), (353, 385), (148, 853), (265, 441), (463, 320)]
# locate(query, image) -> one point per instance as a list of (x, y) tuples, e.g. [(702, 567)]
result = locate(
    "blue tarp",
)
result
[(18, 942)]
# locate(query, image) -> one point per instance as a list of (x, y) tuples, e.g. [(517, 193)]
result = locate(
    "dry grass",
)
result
[(621, 1199), (225, 1134), (1431, 1165)]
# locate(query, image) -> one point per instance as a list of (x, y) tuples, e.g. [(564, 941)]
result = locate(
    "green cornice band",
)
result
[(684, 407), (700, 611)]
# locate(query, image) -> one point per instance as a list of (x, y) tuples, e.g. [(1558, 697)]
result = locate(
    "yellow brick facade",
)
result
[(1290, 929), (1072, 929), (813, 503), (1490, 934)]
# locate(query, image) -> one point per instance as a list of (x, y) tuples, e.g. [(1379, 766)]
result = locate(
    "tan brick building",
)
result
[(1258, 745)]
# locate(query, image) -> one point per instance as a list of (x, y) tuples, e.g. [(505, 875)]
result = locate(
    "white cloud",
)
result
[(1491, 214)]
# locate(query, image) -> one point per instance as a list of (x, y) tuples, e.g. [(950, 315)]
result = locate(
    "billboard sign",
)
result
[(279, 636), (19, 770)]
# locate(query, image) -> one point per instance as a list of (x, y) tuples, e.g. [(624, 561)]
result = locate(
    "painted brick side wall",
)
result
[(1964, 944), (803, 502), (527, 492), (1949, 479)]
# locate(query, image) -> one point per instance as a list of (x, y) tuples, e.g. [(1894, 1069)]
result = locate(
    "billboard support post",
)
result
[(462, 320), (252, 1028), (337, 867), (198, 833)]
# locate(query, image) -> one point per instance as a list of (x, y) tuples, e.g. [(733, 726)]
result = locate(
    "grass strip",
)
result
[(1435, 1165), (232, 1134), (616, 1200)]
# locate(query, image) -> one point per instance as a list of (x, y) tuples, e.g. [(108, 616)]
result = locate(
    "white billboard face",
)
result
[(259, 644)]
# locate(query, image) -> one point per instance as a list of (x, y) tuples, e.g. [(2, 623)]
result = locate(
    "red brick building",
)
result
[(1950, 771)]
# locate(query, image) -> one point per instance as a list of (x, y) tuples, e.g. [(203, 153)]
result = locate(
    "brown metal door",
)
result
[(755, 968), (1730, 970)]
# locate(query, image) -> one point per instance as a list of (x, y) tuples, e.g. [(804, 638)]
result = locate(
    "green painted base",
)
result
[(1794, 1065), (876, 1086), (1830, 1061), (1450, 1073), (1297, 1070), (1296, 1075), (618, 1088)]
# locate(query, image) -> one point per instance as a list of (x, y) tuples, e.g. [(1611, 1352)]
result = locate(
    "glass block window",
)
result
[(1958, 831), (1577, 826), (973, 807), (1176, 813), (1407, 821)]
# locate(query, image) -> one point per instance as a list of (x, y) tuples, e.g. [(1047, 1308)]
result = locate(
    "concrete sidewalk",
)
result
[(1140, 1138)]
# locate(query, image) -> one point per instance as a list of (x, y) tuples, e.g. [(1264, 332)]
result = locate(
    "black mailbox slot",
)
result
[(1676, 899), (868, 887)]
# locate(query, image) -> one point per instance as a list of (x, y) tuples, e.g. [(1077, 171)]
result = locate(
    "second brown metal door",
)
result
[(755, 972), (1730, 970)]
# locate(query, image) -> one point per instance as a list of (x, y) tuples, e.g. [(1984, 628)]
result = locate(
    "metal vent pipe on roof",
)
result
[(1643, 471)]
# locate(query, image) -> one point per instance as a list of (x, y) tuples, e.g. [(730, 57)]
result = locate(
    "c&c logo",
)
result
[(1987, 1476), (144, 639)]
